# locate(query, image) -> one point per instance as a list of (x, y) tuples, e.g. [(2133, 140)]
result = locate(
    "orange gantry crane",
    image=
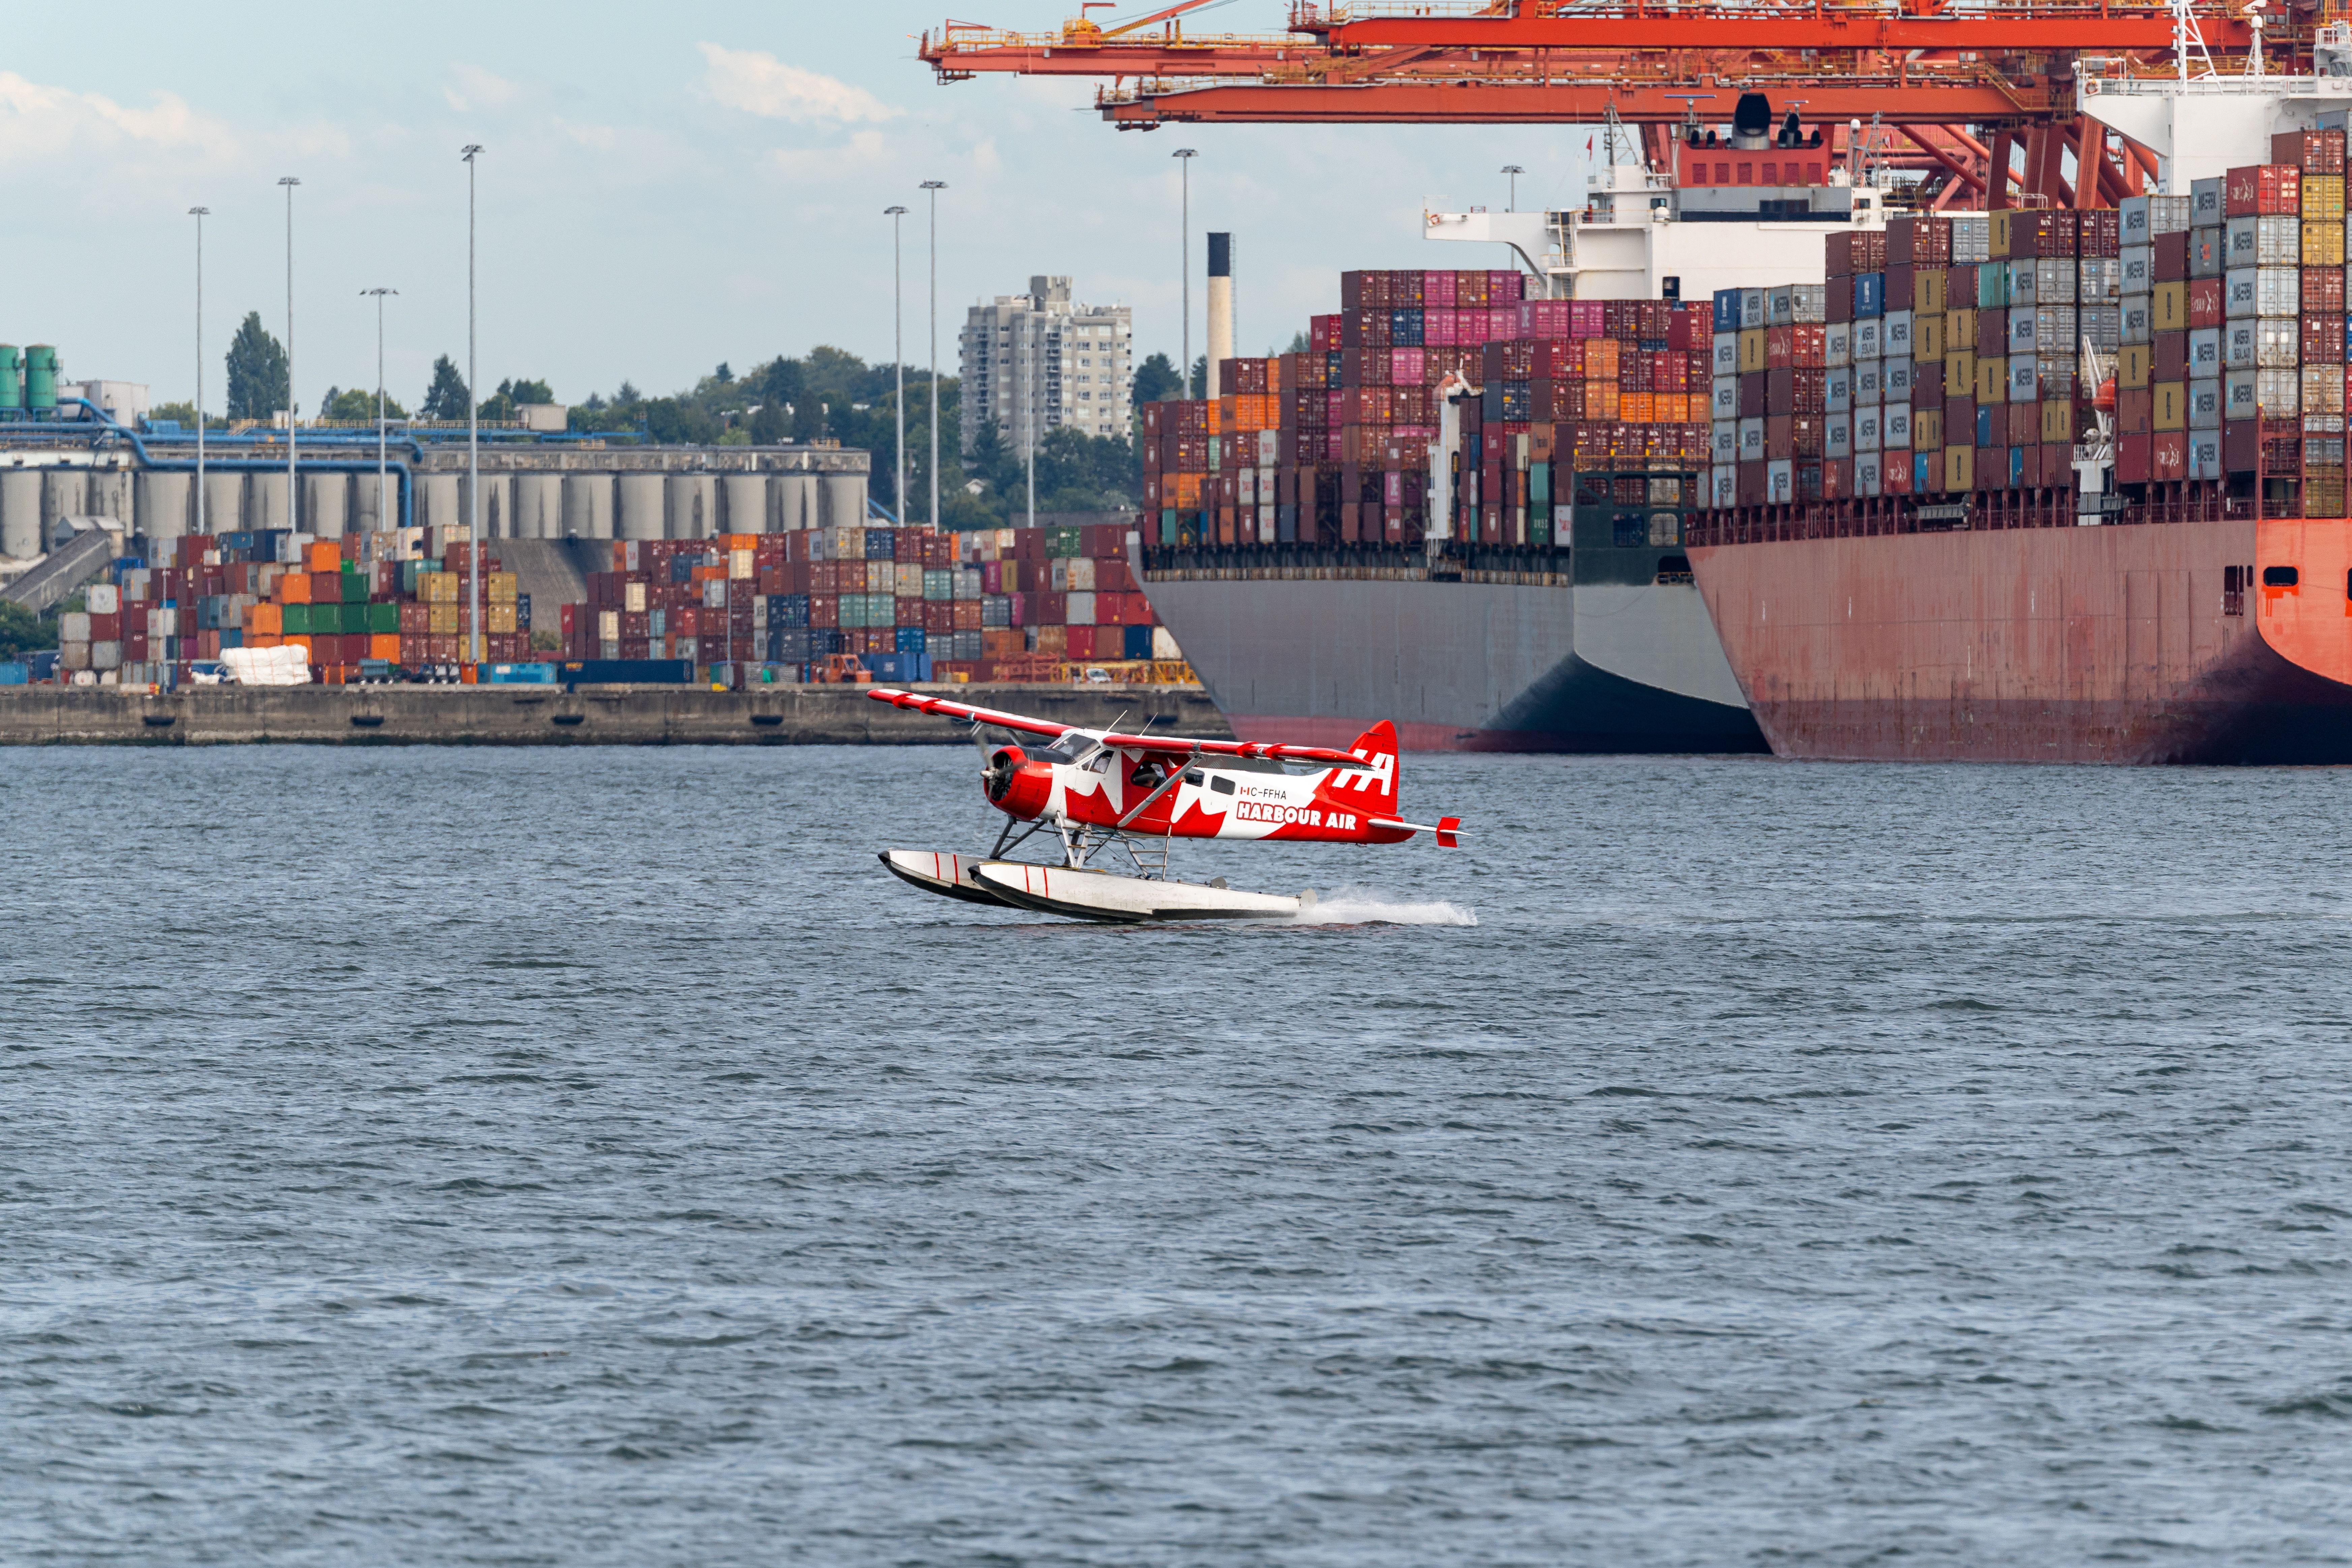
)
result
[(1961, 88)]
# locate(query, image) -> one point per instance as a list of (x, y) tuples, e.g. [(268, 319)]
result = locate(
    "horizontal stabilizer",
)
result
[(1445, 831)]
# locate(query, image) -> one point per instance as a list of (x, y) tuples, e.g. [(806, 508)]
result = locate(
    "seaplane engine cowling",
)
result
[(1015, 786)]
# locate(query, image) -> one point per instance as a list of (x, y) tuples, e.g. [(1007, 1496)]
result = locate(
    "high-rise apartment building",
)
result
[(1036, 362)]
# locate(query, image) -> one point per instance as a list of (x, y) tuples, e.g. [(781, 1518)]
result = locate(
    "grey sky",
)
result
[(664, 187)]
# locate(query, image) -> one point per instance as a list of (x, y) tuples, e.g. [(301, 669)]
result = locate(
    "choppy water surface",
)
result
[(427, 1156)]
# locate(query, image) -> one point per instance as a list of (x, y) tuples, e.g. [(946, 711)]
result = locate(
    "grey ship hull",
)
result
[(1498, 665)]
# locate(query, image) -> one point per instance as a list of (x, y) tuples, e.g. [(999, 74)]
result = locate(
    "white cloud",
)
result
[(471, 87), (38, 122), (758, 83)]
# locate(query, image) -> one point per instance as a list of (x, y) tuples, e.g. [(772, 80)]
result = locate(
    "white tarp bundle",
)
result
[(287, 666)]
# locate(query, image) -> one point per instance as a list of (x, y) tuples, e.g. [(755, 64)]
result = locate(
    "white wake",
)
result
[(1358, 907)]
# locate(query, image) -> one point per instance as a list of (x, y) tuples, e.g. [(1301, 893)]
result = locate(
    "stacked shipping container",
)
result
[(1945, 359), (365, 598), (1957, 343), (1332, 448), (974, 604)]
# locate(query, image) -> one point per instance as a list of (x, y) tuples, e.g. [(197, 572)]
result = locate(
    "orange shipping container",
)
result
[(384, 647), (294, 588), (265, 620), (261, 639), (326, 557), (302, 642)]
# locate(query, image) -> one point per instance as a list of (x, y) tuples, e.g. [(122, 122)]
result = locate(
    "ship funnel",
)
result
[(1220, 307), (1751, 120)]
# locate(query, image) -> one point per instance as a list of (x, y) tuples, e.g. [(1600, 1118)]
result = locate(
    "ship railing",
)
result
[(2171, 501)]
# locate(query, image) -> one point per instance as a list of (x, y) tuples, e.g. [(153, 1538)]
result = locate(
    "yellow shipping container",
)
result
[(1751, 349), (2323, 244), (441, 620), (2322, 197), (1926, 339), (1959, 468), (1992, 377), (2172, 405), (1959, 331), (740, 567), (2167, 308), (499, 617), (1997, 236), (1927, 293), (1927, 429), (500, 587), (2057, 420), (2135, 362)]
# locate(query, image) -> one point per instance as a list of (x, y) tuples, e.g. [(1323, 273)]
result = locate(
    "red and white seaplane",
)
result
[(1099, 790)]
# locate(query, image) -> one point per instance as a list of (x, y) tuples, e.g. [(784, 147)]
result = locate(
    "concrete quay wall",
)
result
[(549, 716)]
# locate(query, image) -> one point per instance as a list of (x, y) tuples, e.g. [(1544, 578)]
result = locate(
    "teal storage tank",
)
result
[(12, 372), (40, 377)]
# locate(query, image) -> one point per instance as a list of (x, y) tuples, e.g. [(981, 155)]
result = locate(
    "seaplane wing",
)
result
[(1168, 744)]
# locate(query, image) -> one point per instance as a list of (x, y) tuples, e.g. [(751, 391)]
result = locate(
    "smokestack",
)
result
[(1221, 306)]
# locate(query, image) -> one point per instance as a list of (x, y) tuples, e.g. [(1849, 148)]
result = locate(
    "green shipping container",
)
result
[(355, 587), (384, 620), (1065, 541), (298, 620)]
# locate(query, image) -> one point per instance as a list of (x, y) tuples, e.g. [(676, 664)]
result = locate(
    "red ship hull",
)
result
[(2114, 644)]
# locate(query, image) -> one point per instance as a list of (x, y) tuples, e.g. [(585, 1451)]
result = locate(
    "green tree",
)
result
[(256, 372), (768, 426), (357, 406), (23, 632), (1155, 381), (1299, 343), (1200, 378), (446, 398)]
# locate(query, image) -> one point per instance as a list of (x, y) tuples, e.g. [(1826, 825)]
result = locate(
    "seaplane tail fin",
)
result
[(1375, 783), (1448, 827)]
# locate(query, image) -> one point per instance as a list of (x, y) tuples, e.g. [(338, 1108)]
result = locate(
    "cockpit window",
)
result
[(1221, 785), (1192, 777)]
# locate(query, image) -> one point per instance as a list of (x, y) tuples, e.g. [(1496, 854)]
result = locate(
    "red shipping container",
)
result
[(1992, 334), (2135, 458), (2322, 337), (1838, 295), (2205, 299), (2167, 455), (2313, 151), (2024, 424), (2134, 410), (1928, 383), (2171, 357), (1837, 479), (2263, 190), (1901, 286), (2169, 258)]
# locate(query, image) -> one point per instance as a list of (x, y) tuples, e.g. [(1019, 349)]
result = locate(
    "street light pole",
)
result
[(382, 490), (473, 436), (200, 214), (935, 187), (898, 353), (1514, 170), (1184, 156), (293, 497)]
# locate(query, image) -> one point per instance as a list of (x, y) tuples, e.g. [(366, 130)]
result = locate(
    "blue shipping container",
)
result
[(1869, 295), (520, 675), (14, 675), (1138, 641), (628, 671), (881, 544), (910, 640), (1727, 309)]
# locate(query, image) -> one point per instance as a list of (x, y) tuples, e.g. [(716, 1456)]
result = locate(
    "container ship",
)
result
[(1463, 508), (1965, 524)]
